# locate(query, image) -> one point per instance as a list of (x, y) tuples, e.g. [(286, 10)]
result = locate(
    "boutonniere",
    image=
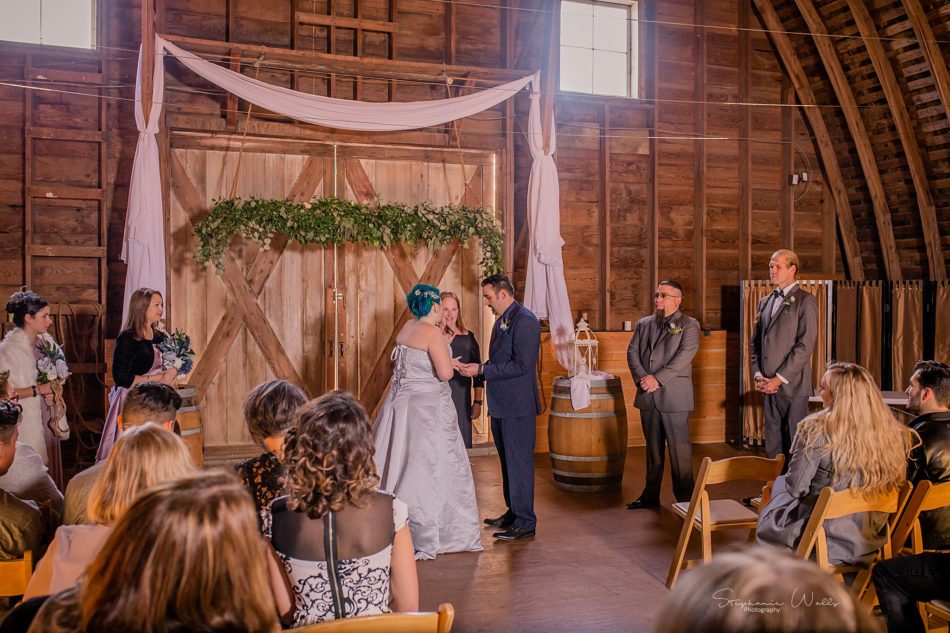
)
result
[(789, 300), (505, 325), (672, 328)]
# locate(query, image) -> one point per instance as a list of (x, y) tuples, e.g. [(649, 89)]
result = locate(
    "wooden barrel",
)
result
[(189, 424), (588, 446)]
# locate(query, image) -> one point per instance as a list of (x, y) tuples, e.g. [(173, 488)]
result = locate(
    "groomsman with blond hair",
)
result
[(782, 343)]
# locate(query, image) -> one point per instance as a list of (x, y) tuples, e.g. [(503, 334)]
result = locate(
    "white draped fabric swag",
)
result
[(144, 242)]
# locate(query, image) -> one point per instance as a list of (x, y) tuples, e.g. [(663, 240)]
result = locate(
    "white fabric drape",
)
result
[(144, 247), (143, 244), (545, 291)]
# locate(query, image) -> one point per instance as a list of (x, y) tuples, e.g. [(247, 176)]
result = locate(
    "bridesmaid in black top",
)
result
[(464, 346), (135, 359)]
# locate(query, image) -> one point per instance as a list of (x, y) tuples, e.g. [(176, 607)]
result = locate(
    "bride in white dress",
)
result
[(420, 454)]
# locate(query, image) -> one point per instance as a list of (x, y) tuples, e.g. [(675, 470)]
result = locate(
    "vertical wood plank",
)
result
[(699, 163)]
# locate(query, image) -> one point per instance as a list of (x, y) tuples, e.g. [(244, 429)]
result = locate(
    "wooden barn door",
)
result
[(377, 281), (275, 313)]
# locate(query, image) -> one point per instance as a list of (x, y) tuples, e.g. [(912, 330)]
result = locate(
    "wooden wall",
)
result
[(688, 182)]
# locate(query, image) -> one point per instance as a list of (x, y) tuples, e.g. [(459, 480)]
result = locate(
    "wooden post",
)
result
[(148, 56), (787, 197), (699, 164), (745, 158), (550, 74)]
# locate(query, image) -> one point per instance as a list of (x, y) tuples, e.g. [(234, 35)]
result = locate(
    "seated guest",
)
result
[(28, 477), (928, 396), (21, 525), (186, 556), (145, 402), (331, 492), (904, 581), (269, 413), (142, 457), (757, 591), (853, 443)]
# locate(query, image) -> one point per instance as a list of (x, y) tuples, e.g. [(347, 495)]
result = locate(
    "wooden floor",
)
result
[(594, 566)]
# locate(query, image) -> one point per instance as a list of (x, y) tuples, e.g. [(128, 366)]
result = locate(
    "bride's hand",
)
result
[(457, 363)]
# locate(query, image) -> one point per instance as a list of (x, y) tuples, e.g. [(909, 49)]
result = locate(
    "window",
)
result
[(69, 23), (599, 47)]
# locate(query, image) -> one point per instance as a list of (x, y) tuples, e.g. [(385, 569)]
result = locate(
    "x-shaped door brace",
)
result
[(244, 291), (400, 262)]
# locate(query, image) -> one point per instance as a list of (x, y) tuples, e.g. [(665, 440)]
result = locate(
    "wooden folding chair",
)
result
[(429, 622), (15, 574), (833, 505), (926, 496), (708, 516)]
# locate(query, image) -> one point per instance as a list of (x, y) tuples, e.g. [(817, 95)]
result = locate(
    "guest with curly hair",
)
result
[(420, 454), (345, 545), (854, 443), (269, 413)]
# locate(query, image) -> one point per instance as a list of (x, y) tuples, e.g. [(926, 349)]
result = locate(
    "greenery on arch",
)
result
[(331, 220)]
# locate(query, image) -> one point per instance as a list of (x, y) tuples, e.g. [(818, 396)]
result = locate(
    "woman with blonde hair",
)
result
[(135, 359), (854, 443), (186, 556), (464, 348), (345, 545), (142, 457)]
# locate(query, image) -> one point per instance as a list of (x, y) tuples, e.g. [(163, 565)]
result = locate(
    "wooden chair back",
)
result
[(926, 496), (834, 505), (15, 574), (708, 516), (428, 622)]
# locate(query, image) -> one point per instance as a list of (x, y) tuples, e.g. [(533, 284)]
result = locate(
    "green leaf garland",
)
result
[(331, 220)]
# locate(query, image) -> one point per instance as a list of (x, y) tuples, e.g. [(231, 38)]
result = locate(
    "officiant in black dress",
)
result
[(465, 348)]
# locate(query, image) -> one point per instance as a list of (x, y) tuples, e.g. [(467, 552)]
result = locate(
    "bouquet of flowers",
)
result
[(51, 365), (52, 370), (176, 352)]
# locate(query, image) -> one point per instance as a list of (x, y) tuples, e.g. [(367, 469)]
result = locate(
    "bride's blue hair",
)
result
[(421, 298)]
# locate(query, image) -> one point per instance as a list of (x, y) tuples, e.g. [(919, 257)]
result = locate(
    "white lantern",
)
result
[(584, 359)]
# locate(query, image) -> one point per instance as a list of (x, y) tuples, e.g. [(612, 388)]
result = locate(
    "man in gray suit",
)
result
[(782, 342), (660, 356)]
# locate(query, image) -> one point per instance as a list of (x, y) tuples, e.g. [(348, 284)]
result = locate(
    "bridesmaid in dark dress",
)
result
[(135, 359), (465, 347)]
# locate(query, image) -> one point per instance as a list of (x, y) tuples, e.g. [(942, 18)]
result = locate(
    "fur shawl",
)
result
[(17, 357)]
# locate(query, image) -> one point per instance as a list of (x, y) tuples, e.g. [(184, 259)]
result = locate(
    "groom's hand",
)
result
[(468, 369)]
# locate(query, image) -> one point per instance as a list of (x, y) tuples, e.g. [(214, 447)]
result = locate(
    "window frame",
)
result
[(92, 51), (634, 38)]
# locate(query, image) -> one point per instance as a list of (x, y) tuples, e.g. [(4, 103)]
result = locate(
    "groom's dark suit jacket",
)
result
[(512, 383)]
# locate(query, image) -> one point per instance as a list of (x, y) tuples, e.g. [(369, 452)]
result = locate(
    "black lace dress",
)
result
[(262, 476)]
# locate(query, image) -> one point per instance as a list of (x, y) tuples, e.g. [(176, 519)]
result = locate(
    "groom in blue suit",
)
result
[(513, 403)]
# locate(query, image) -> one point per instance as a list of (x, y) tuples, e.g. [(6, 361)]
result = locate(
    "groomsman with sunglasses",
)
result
[(660, 356)]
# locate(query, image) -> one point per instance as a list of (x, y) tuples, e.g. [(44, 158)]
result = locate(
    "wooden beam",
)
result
[(699, 163), (859, 134), (787, 196), (148, 56), (259, 272), (372, 389), (931, 49), (745, 132), (829, 238), (448, 55), (653, 202), (604, 237), (783, 45), (905, 130), (375, 26), (348, 64)]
